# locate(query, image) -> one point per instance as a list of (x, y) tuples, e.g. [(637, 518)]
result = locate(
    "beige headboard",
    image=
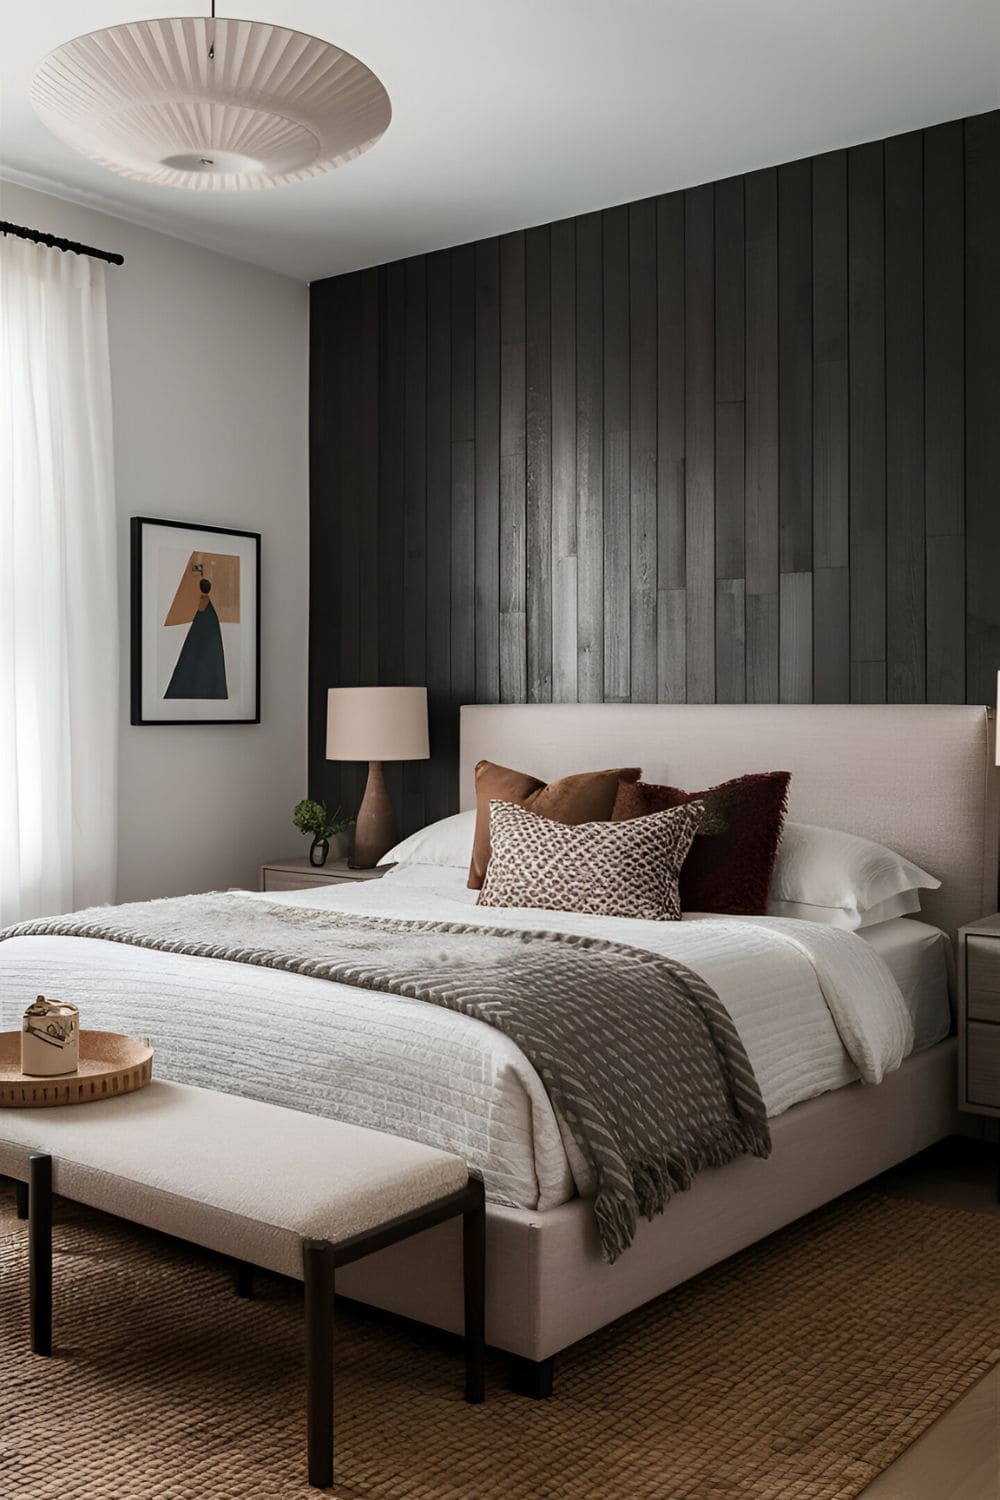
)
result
[(918, 777)]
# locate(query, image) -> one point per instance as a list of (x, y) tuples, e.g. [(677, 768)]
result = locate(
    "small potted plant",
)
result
[(312, 818)]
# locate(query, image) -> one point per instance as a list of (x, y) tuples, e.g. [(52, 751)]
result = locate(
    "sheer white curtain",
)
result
[(58, 585)]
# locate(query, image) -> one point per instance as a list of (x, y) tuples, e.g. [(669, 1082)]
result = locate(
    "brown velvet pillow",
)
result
[(585, 798), (729, 866)]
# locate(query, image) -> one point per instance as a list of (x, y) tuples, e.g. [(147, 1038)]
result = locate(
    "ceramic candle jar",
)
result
[(50, 1038)]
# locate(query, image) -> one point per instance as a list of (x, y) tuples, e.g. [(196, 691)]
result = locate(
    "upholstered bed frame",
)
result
[(919, 778)]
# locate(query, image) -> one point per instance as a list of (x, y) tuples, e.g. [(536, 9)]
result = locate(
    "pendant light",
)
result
[(210, 103)]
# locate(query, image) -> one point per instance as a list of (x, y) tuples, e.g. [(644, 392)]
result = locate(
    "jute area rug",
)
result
[(797, 1371)]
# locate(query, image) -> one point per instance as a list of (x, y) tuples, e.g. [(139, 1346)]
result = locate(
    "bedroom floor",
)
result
[(959, 1457)]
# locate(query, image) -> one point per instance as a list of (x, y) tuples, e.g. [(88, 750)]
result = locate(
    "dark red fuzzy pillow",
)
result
[(730, 863)]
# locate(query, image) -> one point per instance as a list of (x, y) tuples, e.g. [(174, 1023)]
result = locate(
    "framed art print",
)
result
[(195, 624)]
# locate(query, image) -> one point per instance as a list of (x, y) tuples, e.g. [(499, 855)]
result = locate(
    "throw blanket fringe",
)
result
[(637, 1053)]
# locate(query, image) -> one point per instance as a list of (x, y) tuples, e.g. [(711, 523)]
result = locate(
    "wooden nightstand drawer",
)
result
[(301, 875), (982, 959), (983, 1064), (284, 880)]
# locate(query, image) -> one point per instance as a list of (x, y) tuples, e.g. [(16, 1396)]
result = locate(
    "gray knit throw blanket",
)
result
[(637, 1053)]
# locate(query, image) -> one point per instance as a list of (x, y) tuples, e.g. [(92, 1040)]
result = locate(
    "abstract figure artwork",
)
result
[(195, 614)]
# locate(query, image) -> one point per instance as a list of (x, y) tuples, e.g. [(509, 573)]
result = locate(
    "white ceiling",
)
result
[(508, 113)]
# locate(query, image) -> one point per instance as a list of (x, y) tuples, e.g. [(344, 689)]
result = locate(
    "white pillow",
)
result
[(448, 842), (824, 875)]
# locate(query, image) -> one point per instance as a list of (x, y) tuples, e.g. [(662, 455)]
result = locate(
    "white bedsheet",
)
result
[(816, 1008)]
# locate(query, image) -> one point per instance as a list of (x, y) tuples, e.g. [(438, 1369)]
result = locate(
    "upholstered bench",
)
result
[(269, 1187)]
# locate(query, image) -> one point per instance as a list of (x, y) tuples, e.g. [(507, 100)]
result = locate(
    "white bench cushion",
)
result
[(248, 1179)]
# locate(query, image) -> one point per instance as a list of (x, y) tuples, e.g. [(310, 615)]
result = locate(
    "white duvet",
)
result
[(816, 1008)]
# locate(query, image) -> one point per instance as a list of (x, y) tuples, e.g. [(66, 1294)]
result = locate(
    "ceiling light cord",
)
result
[(211, 49)]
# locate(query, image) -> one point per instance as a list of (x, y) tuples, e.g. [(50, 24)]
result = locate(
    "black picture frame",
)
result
[(140, 625)]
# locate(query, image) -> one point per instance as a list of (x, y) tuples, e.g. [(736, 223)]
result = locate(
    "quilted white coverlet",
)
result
[(815, 1006)]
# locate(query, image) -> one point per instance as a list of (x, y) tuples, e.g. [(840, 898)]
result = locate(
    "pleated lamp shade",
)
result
[(211, 104)]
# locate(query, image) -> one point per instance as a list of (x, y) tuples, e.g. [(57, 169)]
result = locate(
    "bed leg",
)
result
[(533, 1377), (40, 1253), (21, 1199), (243, 1278)]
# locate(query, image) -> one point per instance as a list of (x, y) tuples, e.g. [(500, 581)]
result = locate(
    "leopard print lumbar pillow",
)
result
[(628, 869)]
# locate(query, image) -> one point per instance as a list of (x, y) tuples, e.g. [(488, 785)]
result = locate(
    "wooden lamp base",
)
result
[(375, 829)]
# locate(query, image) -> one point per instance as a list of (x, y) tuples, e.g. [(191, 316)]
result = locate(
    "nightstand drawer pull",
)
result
[(982, 958), (983, 1064)]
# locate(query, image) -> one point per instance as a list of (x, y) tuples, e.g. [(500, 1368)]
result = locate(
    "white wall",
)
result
[(209, 374)]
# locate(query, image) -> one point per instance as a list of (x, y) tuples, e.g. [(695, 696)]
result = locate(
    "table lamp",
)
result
[(375, 724)]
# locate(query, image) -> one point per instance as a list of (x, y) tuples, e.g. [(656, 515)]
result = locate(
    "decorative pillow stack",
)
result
[(586, 798), (730, 863), (606, 869)]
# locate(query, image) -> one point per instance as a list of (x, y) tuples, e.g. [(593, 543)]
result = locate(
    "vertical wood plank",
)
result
[(590, 459), (617, 540), (392, 353), (415, 521), (368, 431), (324, 610), (795, 605), (831, 559), (671, 613), (831, 635), (730, 384), (904, 420), (982, 383), (866, 292), (699, 444), (730, 640), (762, 513), (538, 477), (442, 768), (642, 450), (730, 368), (564, 564), (795, 353), (944, 410), (513, 563), (463, 476), (762, 648), (349, 509), (487, 443)]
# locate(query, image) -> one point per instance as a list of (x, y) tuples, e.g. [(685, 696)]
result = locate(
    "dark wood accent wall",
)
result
[(736, 443)]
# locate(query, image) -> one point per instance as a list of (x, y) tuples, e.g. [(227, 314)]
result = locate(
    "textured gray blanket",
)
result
[(637, 1052)]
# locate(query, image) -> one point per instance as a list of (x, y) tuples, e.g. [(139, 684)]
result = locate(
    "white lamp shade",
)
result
[(376, 723), (210, 104)]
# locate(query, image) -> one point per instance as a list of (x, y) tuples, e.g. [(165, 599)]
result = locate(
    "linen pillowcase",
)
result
[(446, 842), (585, 798), (604, 869), (826, 875), (729, 867)]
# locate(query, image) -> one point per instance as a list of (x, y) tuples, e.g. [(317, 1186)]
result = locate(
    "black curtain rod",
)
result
[(55, 243)]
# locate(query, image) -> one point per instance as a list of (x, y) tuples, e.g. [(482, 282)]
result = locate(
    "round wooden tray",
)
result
[(109, 1065)]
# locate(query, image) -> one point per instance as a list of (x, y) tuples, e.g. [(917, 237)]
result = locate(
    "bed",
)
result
[(918, 778)]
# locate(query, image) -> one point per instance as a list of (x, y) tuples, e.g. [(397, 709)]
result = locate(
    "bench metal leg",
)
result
[(40, 1252), (318, 1259), (21, 1199), (474, 1255)]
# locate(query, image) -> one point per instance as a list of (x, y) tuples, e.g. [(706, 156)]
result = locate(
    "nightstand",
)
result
[(299, 874), (979, 1017)]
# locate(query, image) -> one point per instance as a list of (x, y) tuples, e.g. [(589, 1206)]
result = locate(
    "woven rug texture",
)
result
[(797, 1371)]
